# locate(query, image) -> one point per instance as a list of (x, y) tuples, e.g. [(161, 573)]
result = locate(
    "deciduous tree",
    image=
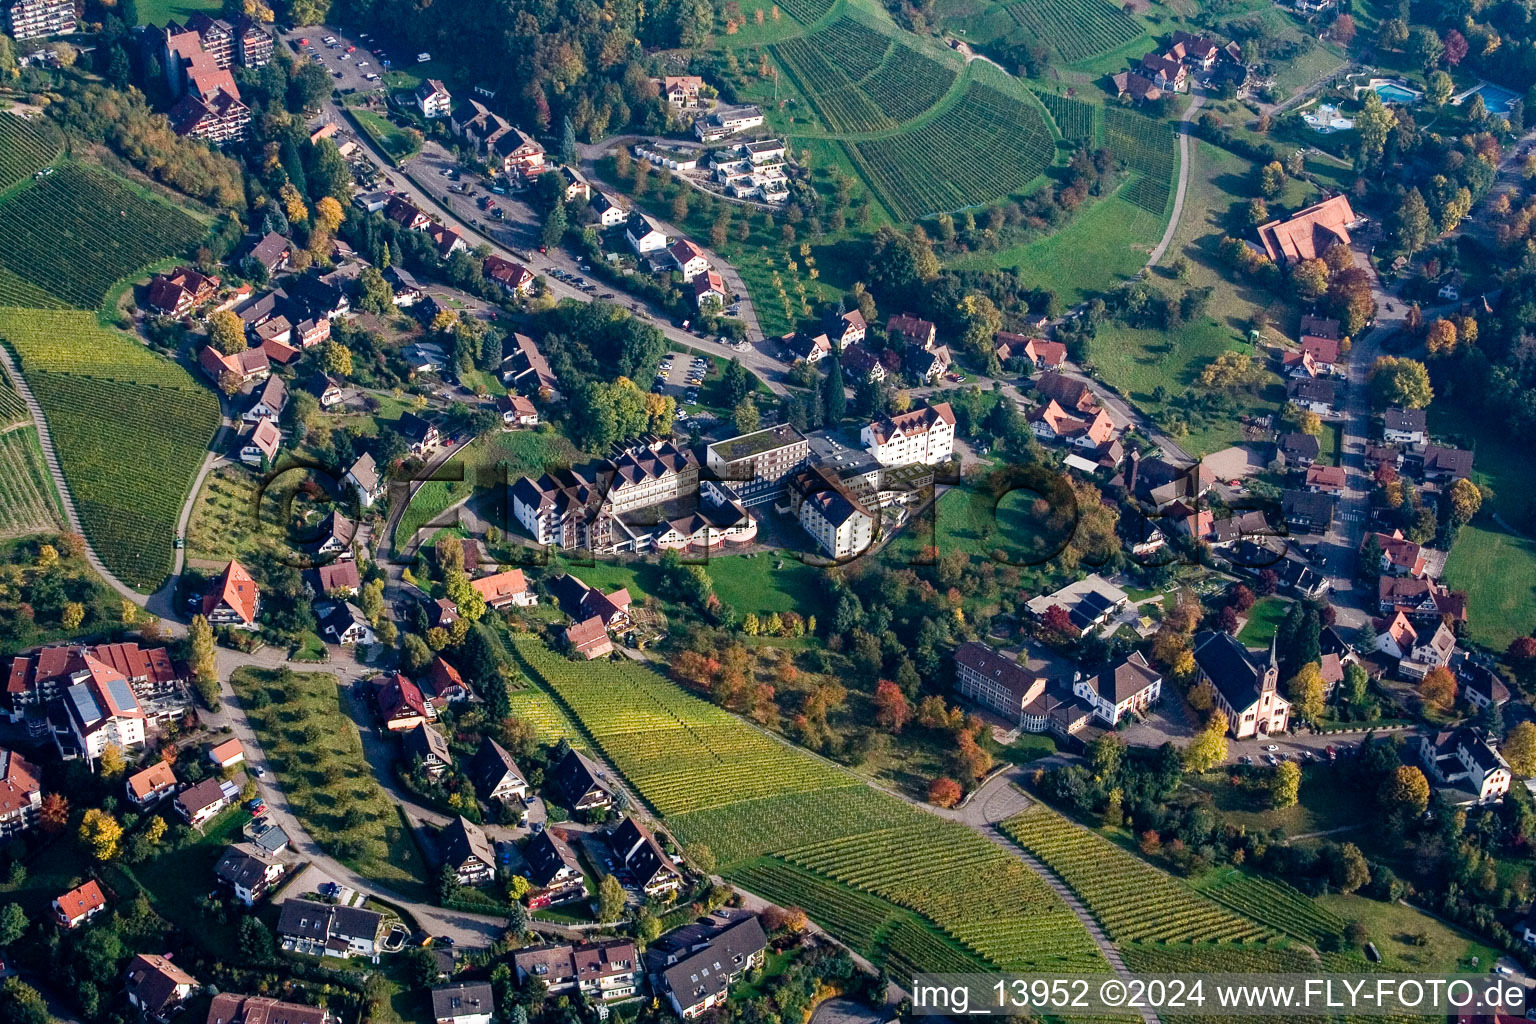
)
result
[(1519, 748), (1285, 785), (944, 792), (226, 332), (1438, 688)]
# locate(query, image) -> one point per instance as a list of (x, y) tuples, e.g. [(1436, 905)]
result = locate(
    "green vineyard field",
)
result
[(936, 168), (1133, 900), (27, 145), (1076, 29), (861, 80), (160, 424), (1276, 904), (1147, 149), (27, 502), (98, 231), (1074, 118)]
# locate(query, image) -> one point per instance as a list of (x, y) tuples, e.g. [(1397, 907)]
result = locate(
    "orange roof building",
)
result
[(1309, 233), (151, 784), (234, 598), (503, 589), (77, 906)]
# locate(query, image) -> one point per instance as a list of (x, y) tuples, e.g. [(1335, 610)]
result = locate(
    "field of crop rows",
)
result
[(26, 146), (12, 408), (1074, 118), (27, 504), (1276, 904), (859, 79), (1147, 148), (1076, 29), (76, 232), (966, 885), (804, 11), (121, 417), (1148, 958), (743, 831), (550, 724), (681, 753), (1133, 900), (987, 146)]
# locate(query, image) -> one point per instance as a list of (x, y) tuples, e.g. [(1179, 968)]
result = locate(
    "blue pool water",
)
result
[(1495, 99), (1390, 93)]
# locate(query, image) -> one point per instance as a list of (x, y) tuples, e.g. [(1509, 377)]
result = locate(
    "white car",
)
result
[(362, 63), (1272, 747)]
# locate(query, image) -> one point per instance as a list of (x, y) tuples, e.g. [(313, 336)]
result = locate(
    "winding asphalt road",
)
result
[(1196, 99)]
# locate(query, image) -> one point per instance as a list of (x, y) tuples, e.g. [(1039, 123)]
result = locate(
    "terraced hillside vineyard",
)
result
[(1074, 119), (861, 80), (724, 784), (1076, 29), (27, 502), (99, 230), (131, 428), (27, 145), (1147, 148), (935, 167), (1133, 900), (1276, 904)]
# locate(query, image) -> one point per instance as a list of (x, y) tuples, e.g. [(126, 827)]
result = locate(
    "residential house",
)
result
[(203, 802), (272, 251), (1307, 511), (609, 213), (1399, 555), (512, 278), (1430, 650), (421, 433), (1165, 73), (1395, 636), (463, 1003), (1245, 684), (589, 638), (1238, 527), (688, 258), (846, 327), (102, 711), (1041, 354), (268, 401), (1050, 422), (578, 782), (861, 364), (21, 794), (1466, 765), (643, 235), (1073, 395), (259, 445), (553, 868), (157, 986), (325, 388), (709, 290), (180, 292), (428, 745), (447, 685), (401, 704), (702, 980), (1482, 686), (1309, 233), (467, 852), (1136, 86), (1298, 450), (432, 99), (236, 371), (505, 589), (364, 477), (682, 91), (335, 536), (249, 871), (233, 600), (527, 369), (922, 436), (226, 754), (1326, 479), (911, 330), (495, 775), (1127, 688), (1322, 343), (233, 1008), (576, 185), (519, 153), (149, 786), (344, 623), (78, 906), (1442, 465), (446, 240), (517, 411), (320, 929), (1404, 426), (604, 970), (1316, 395), (926, 364), (811, 348), (407, 290), (642, 861)]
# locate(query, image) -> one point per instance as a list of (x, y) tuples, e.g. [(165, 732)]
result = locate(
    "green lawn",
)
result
[(1263, 619), (748, 584), (177, 879), (502, 455), (1102, 247), (1326, 803), (399, 144), (1497, 569), (1392, 926), (158, 12), (318, 755)]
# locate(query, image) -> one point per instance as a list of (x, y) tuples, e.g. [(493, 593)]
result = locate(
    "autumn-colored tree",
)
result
[(1209, 747), (226, 332), (944, 792), (1241, 597), (54, 814), (1465, 500), (1344, 30), (1438, 688), (112, 761), (1168, 645), (931, 713), (1519, 748), (971, 760), (1405, 792), (329, 214), (891, 707), (1400, 381), (73, 615), (1285, 785), (1440, 338), (1186, 612), (1056, 624), (101, 833), (1202, 696), (1305, 691)]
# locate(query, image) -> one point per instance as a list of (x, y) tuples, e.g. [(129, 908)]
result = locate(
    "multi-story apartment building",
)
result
[(103, 712), (253, 44), (21, 794), (605, 970), (839, 522), (33, 19), (581, 508), (757, 465), (924, 436), (44, 675), (197, 59)]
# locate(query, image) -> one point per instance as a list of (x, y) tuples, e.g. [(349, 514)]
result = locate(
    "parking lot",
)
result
[(680, 376)]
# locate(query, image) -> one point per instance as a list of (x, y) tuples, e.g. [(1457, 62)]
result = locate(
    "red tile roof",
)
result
[(81, 901), (235, 588)]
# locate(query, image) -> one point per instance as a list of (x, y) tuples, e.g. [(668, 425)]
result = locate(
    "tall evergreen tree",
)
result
[(568, 155), (836, 397)]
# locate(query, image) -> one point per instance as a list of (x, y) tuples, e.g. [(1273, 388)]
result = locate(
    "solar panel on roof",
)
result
[(121, 695), (85, 705), (1096, 601)]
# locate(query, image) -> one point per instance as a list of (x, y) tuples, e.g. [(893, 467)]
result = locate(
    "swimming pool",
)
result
[(1496, 100), (1391, 92)]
